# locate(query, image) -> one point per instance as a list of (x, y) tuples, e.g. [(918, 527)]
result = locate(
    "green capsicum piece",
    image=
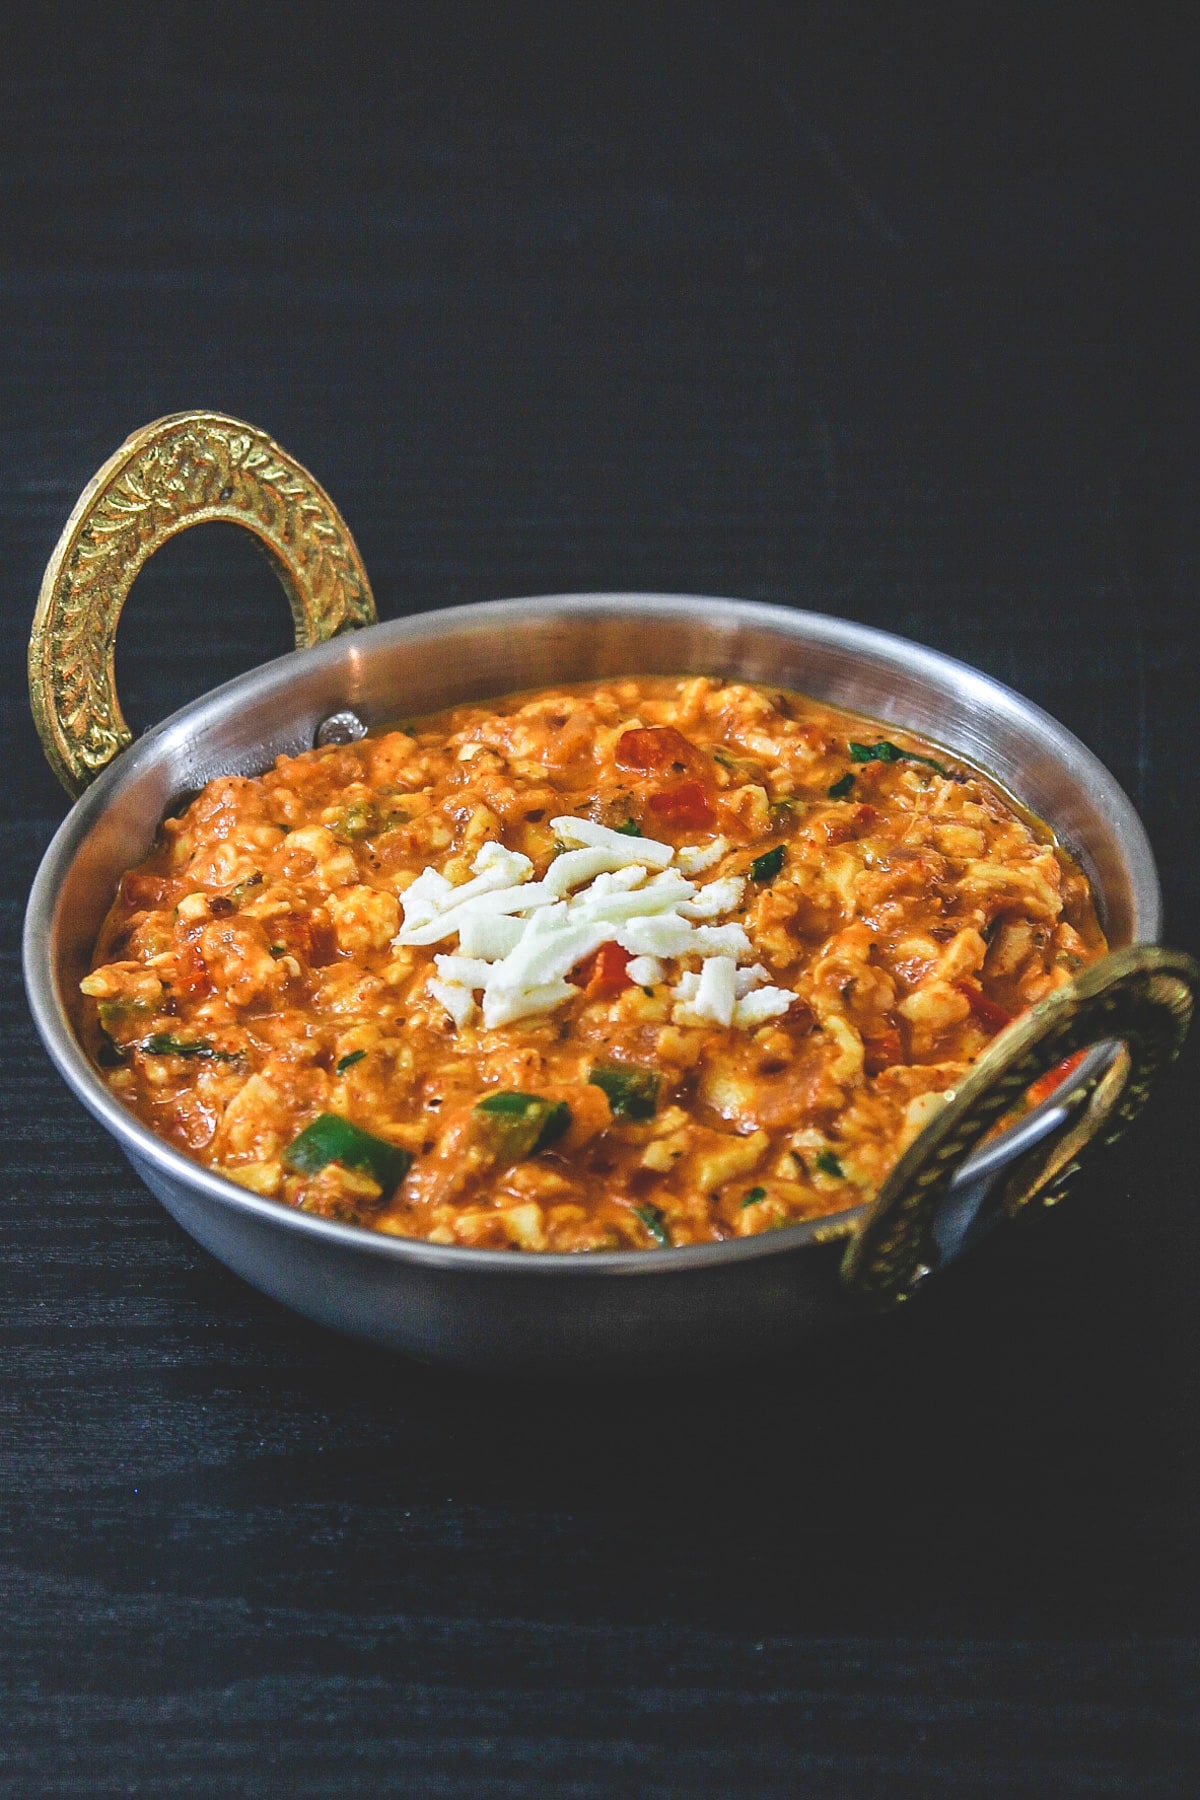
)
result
[(632, 1093), (330, 1138), (518, 1125), (766, 867)]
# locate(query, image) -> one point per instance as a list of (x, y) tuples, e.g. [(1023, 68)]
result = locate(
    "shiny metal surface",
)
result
[(551, 1313)]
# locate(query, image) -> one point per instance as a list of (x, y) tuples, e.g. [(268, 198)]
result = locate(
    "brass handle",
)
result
[(1142, 998), (180, 471)]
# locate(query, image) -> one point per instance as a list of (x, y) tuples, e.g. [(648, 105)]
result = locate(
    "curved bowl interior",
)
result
[(418, 665)]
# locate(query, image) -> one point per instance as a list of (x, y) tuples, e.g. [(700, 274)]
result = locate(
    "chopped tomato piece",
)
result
[(685, 805), (991, 1016), (191, 977), (143, 891), (322, 942), (311, 939), (840, 831), (657, 750), (883, 1049), (1046, 1084), (604, 973)]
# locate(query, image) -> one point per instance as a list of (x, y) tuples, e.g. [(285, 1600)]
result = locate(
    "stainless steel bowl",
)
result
[(630, 1310)]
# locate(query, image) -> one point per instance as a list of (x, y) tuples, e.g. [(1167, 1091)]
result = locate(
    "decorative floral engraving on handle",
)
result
[(1142, 998), (178, 472)]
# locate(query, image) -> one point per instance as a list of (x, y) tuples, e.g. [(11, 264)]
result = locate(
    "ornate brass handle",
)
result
[(1142, 998), (178, 472)]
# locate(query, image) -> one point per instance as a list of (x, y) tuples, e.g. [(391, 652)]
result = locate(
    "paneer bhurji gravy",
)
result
[(622, 965)]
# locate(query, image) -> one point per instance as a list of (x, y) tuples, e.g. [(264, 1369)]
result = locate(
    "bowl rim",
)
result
[(142, 1145)]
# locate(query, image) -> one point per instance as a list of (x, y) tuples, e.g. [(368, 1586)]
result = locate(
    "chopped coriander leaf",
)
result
[(277, 950), (629, 828), (753, 1197), (841, 788), (330, 1138), (631, 1093), (828, 1164), (161, 1043), (654, 1222), (518, 1125), (886, 752), (348, 1061), (767, 866)]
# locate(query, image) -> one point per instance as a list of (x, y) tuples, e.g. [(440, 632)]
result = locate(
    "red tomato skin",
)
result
[(991, 1016), (655, 749), (685, 806), (603, 974), (191, 977), (145, 892), (841, 831), (882, 1049)]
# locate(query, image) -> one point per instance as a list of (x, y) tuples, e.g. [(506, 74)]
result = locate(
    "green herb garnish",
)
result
[(841, 788), (885, 752), (348, 1061), (753, 1197), (330, 1138), (519, 1125), (828, 1164), (767, 866), (161, 1043), (630, 828), (632, 1093), (654, 1222)]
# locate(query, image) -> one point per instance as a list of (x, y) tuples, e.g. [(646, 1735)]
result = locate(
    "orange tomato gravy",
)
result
[(246, 983)]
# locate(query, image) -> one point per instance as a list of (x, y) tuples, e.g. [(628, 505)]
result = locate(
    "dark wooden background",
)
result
[(886, 311)]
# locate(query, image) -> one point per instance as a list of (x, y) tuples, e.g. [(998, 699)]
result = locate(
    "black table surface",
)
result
[(886, 313)]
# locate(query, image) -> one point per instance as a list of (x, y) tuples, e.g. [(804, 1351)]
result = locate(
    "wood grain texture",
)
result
[(886, 315)]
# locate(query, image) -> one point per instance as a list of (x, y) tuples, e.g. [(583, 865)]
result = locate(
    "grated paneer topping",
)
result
[(528, 935)]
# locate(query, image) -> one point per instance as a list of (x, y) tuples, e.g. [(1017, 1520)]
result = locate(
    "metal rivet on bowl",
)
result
[(340, 728)]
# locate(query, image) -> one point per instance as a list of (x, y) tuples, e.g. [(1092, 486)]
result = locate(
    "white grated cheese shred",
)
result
[(518, 939)]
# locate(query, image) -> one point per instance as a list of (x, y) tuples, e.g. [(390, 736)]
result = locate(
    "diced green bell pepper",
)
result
[(518, 1125), (632, 1093), (330, 1138), (767, 866)]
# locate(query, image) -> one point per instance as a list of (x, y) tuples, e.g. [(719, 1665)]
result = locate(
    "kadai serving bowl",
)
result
[(554, 1313)]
